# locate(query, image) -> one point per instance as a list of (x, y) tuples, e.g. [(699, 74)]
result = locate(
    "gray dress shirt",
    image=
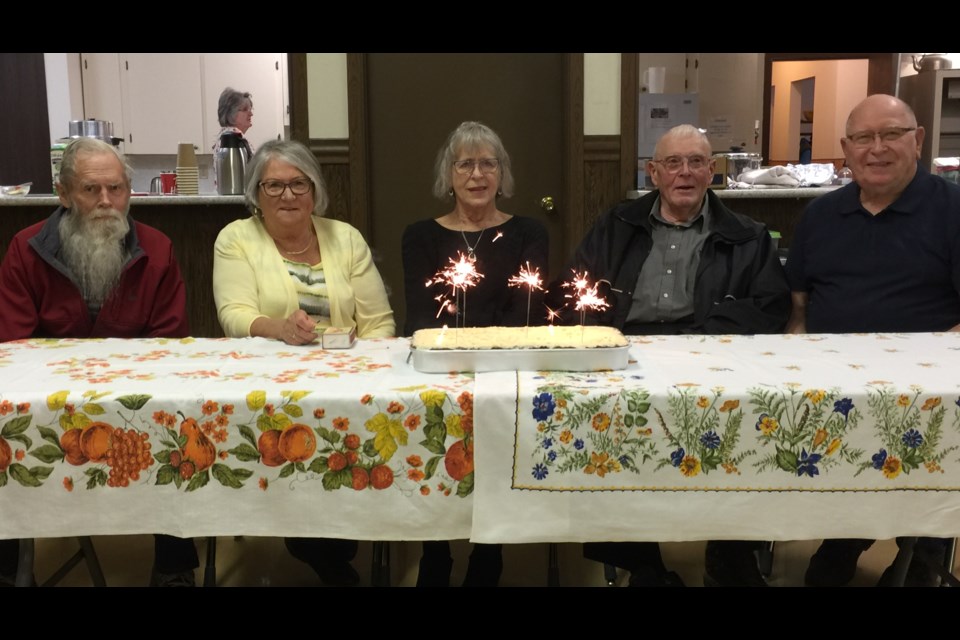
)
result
[(664, 291)]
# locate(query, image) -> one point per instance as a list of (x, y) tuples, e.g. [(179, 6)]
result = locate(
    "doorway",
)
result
[(880, 77), (416, 100)]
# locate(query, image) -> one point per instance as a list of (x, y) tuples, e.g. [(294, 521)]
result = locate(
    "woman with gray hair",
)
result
[(285, 273), (235, 114), (473, 172)]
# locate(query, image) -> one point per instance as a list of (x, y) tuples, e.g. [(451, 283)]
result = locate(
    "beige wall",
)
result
[(601, 94), (839, 85), (327, 95)]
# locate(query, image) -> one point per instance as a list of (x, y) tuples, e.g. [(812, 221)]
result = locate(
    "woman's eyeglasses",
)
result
[(275, 188)]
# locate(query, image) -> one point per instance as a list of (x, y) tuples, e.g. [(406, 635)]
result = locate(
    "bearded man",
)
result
[(90, 271)]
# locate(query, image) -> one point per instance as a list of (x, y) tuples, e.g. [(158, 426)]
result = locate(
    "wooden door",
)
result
[(416, 100)]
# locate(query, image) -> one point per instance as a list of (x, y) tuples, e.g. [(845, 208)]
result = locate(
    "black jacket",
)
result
[(740, 285)]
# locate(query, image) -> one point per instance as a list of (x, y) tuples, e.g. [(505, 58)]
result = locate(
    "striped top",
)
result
[(311, 287)]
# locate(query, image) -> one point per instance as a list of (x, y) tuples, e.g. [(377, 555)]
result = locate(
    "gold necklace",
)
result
[(297, 253)]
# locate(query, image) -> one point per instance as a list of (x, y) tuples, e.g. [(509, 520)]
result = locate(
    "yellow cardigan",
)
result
[(250, 280)]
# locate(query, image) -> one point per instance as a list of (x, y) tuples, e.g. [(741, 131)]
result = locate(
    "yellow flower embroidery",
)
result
[(729, 405), (819, 437), (768, 425), (903, 400), (601, 464), (702, 402), (930, 403), (891, 467), (690, 466), (833, 446), (566, 436), (601, 422), (815, 395)]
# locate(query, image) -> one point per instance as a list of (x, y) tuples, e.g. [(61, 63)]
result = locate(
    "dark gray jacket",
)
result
[(740, 285)]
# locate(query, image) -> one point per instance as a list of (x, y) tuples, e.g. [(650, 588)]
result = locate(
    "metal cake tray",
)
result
[(447, 360)]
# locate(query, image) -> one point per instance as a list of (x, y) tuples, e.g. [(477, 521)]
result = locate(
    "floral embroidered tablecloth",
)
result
[(200, 437), (764, 437)]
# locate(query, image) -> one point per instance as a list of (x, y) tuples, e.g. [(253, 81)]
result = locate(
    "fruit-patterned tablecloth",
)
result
[(765, 437), (199, 437)]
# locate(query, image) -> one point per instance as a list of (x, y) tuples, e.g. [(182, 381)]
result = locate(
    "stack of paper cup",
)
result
[(188, 175)]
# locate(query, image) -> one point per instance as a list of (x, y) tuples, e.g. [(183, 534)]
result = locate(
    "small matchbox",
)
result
[(339, 337)]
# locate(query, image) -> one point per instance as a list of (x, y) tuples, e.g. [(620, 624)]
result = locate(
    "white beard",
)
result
[(93, 249)]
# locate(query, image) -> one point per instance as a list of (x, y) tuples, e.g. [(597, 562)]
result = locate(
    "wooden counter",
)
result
[(191, 222), (779, 209)]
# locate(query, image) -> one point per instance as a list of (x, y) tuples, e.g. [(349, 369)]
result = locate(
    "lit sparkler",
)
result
[(530, 279), (459, 275), (585, 295)]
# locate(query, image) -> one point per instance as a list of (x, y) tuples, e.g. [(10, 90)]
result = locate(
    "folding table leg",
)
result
[(25, 564), (210, 568), (553, 566), (93, 563)]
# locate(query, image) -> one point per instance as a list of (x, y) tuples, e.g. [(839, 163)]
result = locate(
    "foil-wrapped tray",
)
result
[(447, 360)]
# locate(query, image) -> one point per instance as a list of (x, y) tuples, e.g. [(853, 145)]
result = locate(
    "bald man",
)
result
[(881, 254)]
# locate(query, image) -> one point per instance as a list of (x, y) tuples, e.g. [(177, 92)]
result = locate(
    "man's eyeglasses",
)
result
[(890, 134), (275, 188), (675, 163), (487, 165)]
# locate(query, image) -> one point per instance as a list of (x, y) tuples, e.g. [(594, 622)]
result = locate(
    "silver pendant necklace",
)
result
[(471, 251)]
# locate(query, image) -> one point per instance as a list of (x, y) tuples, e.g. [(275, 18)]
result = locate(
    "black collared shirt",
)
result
[(897, 271)]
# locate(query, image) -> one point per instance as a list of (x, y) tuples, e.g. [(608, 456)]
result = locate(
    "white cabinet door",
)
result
[(256, 73), (101, 89), (162, 101)]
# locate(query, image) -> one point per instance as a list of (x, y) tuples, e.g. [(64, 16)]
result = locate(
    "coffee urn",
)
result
[(230, 161)]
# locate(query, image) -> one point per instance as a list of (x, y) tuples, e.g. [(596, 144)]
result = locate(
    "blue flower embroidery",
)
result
[(843, 407), (623, 459), (543, 406), (710, 440), (677, 457), (540, 471), (912, 438), (578, 444), (808, 463), (957, 402), (879, 458), (552, 456), (547, 443)]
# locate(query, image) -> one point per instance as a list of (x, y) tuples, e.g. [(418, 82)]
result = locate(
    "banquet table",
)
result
[(700, 437)]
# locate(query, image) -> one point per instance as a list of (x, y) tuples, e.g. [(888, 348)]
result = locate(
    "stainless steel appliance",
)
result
[(231, 161)]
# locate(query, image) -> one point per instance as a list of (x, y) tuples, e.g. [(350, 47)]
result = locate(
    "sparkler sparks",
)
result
[(459, 275), (585, 295), (530, 279)]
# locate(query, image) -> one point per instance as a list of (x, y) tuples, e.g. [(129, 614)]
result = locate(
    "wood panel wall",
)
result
[(24, 126)]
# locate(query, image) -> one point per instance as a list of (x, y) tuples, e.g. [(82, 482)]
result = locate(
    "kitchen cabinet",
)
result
[(162, 105), (935, 98), (158, 100), (101, 88)]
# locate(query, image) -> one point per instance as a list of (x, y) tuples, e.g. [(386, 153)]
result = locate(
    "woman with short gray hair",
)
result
[(235, 114)]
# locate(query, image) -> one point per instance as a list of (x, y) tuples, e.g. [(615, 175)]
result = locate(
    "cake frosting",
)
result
[(545, 337)]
